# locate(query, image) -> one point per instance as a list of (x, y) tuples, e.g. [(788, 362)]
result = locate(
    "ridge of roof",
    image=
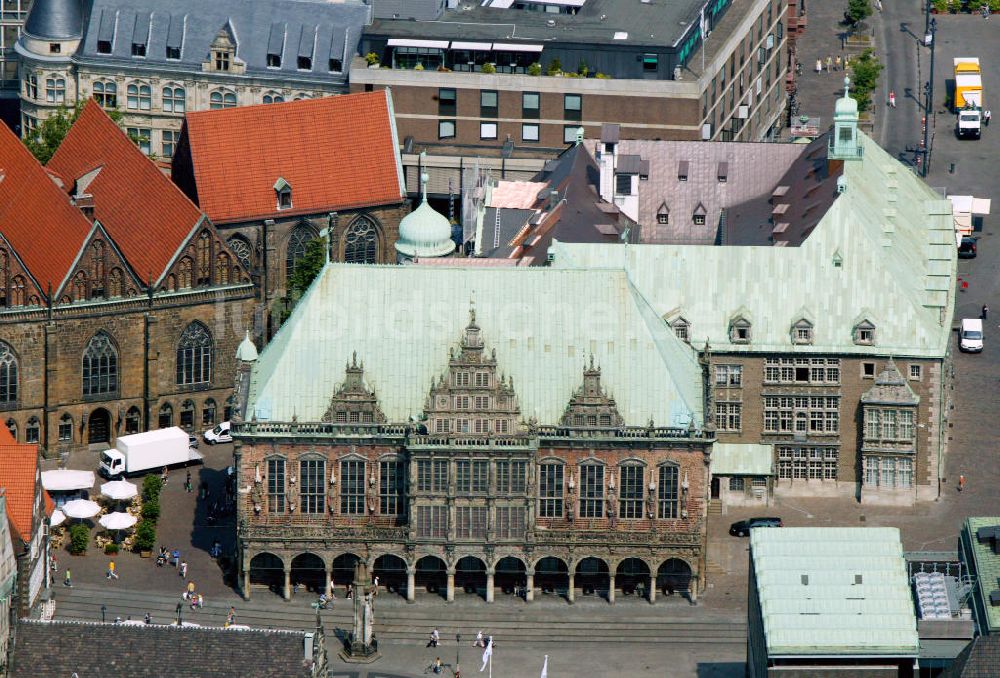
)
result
[(335, 152), (142, 210), (31, 205)]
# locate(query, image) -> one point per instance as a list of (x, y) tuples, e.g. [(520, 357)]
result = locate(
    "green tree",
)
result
[(79, 539), (51, 131), (308, 267), (145, 536), (151, 487), (151, 510), (857, 10), (866, 69)]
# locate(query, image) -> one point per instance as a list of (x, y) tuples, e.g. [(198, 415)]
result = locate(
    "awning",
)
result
[(516, 47), (742, 459), (407, 42), (474, 46), (67, 480)]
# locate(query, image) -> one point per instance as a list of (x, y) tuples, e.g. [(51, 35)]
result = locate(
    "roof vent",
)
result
[(550, 23), (805, 580), (859, 579)]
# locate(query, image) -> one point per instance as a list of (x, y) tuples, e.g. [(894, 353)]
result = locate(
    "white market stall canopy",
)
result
[(117, 521), (67, 480), (119, 490), (58, 518), (81, 508)]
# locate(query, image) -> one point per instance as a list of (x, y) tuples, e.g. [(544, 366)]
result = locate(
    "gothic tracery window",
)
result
[(194, 356), (204, 256), (241, 248), (185, 273), (361, 242), (297, 243), (8, 374), (100, 366)]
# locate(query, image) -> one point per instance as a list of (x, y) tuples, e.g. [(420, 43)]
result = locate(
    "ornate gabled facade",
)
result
[(889, 437), (476, 481)]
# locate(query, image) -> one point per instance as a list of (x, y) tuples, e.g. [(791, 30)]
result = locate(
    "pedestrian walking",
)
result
[(148, 618), (183, 569), (375, 589), (68, 580), (111, 570), (187, 483), (435, 639), (819, 65), (479, 640), (55, 564), (829, 63), (436, 666), (836, 63), (190, 590), (986, 309), (961, 483), (892, 98), (163, 475), (878, 5), (987, 114)]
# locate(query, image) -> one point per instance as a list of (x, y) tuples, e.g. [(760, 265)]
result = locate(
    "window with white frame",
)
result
[(728, 375), (591, 491), (550, 490), (391, 487), (106, 93), (141, 137), (487, 130), (632, 491), (512, 477), (864, 333), (736, 484), (802, 332), (529, 132), (138, 97), (31, 86), (174, 99), (219, 99), (889, 425), (916, 372), (312, 486), (682, 329), (169, 144), (801, 414), (55, 90), (668, 492), (802, 462), (802, 371), (739, 330), (888, 472), (729, 416), (276, 485), (446, 129)]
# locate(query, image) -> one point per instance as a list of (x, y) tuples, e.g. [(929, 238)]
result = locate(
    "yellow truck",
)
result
[(968, 97)]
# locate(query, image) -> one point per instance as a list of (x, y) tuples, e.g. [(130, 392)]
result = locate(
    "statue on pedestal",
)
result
[(361, 646)]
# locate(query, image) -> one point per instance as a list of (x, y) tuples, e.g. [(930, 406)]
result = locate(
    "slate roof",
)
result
[(980, 659), (753, 171), (660, 24), (883, 252), (322, 30), (115, 650), (984, 565), (36, 218), (543, 323), (146, 215), (55, 19), (20, 478), (336, 153), (811, 599)]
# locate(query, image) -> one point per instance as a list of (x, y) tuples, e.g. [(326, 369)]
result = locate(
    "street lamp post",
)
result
[(927, 17), (104, 609), (929, 106), (458, 654), (179, 608)]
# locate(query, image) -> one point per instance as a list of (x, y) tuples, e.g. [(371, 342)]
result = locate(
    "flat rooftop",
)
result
[(659, 23)]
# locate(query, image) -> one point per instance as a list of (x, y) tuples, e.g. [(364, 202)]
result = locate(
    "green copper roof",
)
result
[(884, 252), (742, 459), (543, 323), (985, 567), (812, 602)]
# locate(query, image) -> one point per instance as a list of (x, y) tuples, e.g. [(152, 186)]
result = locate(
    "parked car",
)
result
[(219, 434), (967, 248), (193, 441), (741, 528), (970, 335)]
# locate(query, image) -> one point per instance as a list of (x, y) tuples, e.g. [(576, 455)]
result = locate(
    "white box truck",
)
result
[(142, 452)]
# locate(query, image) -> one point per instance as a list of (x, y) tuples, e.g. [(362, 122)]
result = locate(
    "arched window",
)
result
[(668, 492), (12, 427), (106, 93), (8, 374), (166, 419), (66, 428), (221, 99), (100, 366), (297, 242), (185, 273), (55, 90), (32, 432), (116, 283), (132, 419), (203, 251), (173, 100), (194, 356), (208, 412), (80, 287), (222, 269), (138, 97), (242, 249), (187, 415), (17, 291), (171, 283), (361, 242), (273, 98), (4, 275), (97, 260), (227, 413)]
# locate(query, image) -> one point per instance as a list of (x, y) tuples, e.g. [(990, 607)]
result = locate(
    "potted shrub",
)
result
[(151, 511), (535, 69), (372, 59), (111, 549), (555, 68), (489, 68), (145, 538), (151, 487), (79, 539), (418, 67)]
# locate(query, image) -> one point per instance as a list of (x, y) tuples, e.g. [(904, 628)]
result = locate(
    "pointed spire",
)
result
[(847, 86)]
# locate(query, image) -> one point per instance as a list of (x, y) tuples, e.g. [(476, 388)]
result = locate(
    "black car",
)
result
[(967, 248), (742, 528)]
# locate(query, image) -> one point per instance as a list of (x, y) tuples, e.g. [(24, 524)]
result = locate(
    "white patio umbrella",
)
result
[(117, 520), (81, 508), (58, 518), (119, 490), (67, 480)]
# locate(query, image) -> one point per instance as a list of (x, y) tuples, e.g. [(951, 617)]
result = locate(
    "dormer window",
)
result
[(663, 218), (104, 47), (682, 170), (173, 53), (138, 49), (864, 333), (682, 328), (305, 63), (284, 192), (274, 61), (336, 65), (699, 215), (802, 332), (55, 48), (739, 331), (221, 59)]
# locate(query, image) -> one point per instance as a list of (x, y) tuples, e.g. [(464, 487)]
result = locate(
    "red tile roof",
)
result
[(18, 477), (36, 218), (144, 213), (336, 152)]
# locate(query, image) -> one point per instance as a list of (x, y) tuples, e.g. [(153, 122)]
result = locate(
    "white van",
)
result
[(221, 434), (970, 336)]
